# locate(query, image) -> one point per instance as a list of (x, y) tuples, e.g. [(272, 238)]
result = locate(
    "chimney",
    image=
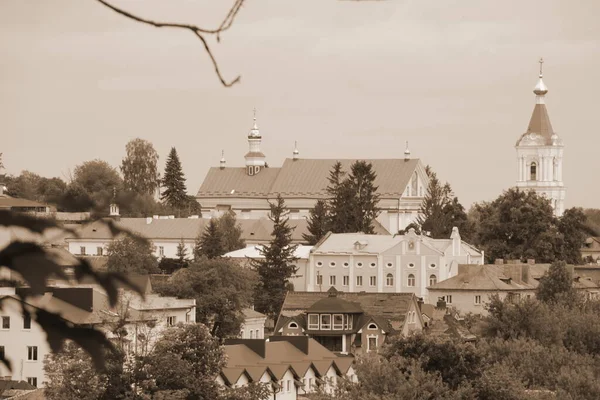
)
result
[(499, 261), (441, 303), (420, 303), (456, 241)]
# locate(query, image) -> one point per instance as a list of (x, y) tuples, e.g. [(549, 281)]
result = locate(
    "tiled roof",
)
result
[(175, 228), (540, 125), (301, 252), (7, 202), (302, 178), (235, 182)]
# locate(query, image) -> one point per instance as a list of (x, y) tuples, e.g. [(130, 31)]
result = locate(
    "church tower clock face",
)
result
[(540, 154)]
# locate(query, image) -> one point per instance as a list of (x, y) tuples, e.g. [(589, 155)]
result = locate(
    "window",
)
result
[(448, 299), (5, 322), (161, 251), (257, 334), (310, 382), (359, 281), (319, 280), (251, 334), (32, 381), (346, 280), (332, 280), (242, 334), (389, 280), (171, 320), (359, 265), (256, 169), (373, 265), (250, 170), (188, 317), (389, 265), (411, 280), (346, 265), (289, 385), (319, 264), (412, 317), (1, 352), (338, 321), (27, 322), (373, 280), (332, 264), (414, 184), (411, 265), (325, 321), (347, 321), (533, 172), (432, 265), (432, 279), (313, 321), (372, 343), (99, 251), (477, 300), (32, 353), (293, 325), (82, 250), (372, 326)]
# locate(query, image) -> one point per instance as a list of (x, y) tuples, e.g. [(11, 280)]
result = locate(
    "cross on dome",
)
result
[(540, 89), (254, 132)]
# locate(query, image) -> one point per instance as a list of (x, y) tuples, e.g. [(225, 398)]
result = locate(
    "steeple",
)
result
[(296, 153), (222, 162), (255, 159), (406, 152), (540, 89)]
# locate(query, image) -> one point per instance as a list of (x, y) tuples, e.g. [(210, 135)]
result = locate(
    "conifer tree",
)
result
[(175, 193), (182, 253), (275, 268), (338, 205), (363, 205), (211, 241), (318, 223), (432, 216), (231, 232)]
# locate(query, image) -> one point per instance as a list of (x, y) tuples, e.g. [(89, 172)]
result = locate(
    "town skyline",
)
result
[(481, 96)]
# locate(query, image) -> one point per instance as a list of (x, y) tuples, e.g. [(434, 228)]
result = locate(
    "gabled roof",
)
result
[(302, 252), (540, 125), (334, 304), (302, 178), (151, 228), (250, 313), (8, 202)]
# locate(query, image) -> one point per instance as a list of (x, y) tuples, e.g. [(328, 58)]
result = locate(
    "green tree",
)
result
[(139, 167), (557, 284), (275, 268), (231, 232), (175, 193), (517, 225), (222, 290), (210, 242), (99, 180), (361, 183), (132, 256), (318, 223)]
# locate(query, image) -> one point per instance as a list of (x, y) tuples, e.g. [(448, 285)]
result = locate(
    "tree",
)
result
[(275, 268), (318, 222), (182, 253), (222, 290), (175, 193), (339, 200), (140, 173), (211, 241), (574, 230), (128, 255), (361, 183), (556, 284), (231, 232), (99, 180), (517, 225)]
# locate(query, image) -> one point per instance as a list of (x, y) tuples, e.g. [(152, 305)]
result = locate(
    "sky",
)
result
[(344, 79)]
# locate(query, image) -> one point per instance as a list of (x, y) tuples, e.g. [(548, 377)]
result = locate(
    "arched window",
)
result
[(411, 280), (432, 280), (533, 172), (257, 335), (372, 326), (414, 185), (389, 280), (293, 325), (251, 334)]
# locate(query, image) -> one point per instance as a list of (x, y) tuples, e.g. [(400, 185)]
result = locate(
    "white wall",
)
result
[(169, 246), (253, 328)]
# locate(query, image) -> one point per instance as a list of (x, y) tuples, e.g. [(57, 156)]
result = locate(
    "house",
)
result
[(244, 256), (10, 389), (24, 342), (472, 287), (349, 323), (291, 366), (253, 326), (590, 251), (15, 204), (247, 190), (354, 262)]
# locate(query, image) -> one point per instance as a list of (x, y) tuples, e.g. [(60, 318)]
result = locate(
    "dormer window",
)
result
[(325, 322), (256, 169), (293, 325), (372, 326), (250, 170), (338, 322), (313, 322)]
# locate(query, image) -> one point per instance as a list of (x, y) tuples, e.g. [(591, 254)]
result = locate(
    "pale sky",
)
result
[(344, 79)]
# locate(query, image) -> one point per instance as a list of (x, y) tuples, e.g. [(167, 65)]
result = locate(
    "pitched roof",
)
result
[(302, 178), (151, 228), (302, 252), (7, 202), (250, 313), (540, 125), (333, 304)]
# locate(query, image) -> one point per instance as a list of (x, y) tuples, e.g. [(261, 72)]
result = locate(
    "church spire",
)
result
[(540, 89), (296, 153), (222, 162), (255, 159), (406, 152)]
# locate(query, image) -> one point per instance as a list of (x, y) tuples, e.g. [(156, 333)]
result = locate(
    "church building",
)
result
[(402, 183), (540, 154)]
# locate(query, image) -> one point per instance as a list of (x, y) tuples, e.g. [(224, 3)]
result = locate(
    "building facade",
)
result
[(248, 190), (253, 326), (540, 154), (407, 263)]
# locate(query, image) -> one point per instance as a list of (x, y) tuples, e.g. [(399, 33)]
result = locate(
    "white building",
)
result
[(254, 324), (247, 190), (354, 262), (243, 257), (540, 154)]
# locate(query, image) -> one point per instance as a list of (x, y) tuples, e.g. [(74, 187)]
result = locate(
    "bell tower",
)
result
[(255, 159), (540, 153)]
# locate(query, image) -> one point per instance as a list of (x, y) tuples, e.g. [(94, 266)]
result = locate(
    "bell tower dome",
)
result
[(255, 159), (540, 153)]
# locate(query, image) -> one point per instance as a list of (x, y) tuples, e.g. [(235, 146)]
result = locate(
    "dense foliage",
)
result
[(131, 256), (139, 167), (175, 192), (318, 223), (210, 243)]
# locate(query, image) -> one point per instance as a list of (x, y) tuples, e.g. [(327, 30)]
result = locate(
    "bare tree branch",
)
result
[(199, 32)]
